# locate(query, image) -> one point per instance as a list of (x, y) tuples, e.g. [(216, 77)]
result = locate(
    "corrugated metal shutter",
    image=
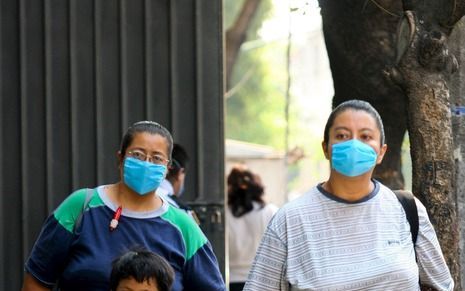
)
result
[(73, 75)]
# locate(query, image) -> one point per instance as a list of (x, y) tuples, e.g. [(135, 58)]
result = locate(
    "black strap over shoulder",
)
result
[(77, 224), (407, 200)]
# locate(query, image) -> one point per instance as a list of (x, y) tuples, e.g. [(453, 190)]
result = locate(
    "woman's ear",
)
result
[(324, 145), (381, 154), (120, 158), (181, 175)]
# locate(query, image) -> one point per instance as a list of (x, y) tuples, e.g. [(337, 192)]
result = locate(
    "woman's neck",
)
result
[(123, 196), (349, 188)]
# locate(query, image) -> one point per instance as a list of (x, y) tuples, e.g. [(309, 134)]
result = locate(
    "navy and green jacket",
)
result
[(80, 259)]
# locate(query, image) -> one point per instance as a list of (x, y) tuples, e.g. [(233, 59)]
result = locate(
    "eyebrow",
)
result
[(345, 128), (341, 127), (154, 152)]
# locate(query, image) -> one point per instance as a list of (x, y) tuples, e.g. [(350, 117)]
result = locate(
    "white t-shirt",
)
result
[(166, 190), (321, 242), (245, 233)]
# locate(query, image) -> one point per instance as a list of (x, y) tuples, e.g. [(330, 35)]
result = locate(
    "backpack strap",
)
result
[(407, 201), (85, 206)]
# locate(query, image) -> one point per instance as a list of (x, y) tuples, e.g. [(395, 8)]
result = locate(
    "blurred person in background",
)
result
[(173, 186), (247, 217)]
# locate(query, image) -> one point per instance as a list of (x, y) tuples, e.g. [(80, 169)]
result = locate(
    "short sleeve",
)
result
[(51, 249), (269, 267), (202, 272), (432, 266)]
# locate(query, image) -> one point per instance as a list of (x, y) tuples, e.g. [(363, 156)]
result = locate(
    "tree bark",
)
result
[(236, 35), (424, 66), (360, 40), (457, 92)]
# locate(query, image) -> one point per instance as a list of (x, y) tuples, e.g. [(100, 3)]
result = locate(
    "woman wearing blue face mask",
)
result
[(92, 227), (350, 232)]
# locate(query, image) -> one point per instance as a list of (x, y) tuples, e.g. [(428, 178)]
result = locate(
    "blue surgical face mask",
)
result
[(141, 176), (353, 158)]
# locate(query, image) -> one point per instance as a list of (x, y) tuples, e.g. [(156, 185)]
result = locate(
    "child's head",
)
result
[(140, 269)]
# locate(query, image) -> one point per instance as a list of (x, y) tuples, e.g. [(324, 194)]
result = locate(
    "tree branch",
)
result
[(235, 35), (446, 14), (458, 11)]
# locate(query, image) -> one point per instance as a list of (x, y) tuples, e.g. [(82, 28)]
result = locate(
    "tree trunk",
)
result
[(360, 40), (422, 71), (457, 92)]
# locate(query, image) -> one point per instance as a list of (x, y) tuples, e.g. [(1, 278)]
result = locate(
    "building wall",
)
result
[(74, 74)]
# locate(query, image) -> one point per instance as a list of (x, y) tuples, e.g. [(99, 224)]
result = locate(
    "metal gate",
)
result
[(73, 75)]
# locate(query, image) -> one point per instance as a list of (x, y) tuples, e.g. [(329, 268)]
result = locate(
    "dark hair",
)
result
[(354, 105), (244, 187), (142, 265), (149, 127), (179, 161)]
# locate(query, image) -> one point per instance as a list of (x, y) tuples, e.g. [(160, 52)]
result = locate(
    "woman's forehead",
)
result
[(150, 141), (351, 118)]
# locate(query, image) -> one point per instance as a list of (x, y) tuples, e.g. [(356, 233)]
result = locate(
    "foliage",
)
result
[(255, 106), (255, 111)]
